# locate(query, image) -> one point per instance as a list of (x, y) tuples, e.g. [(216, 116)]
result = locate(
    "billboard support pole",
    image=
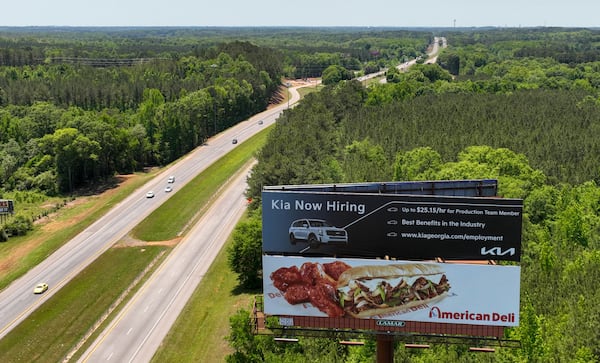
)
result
[(385, 348)]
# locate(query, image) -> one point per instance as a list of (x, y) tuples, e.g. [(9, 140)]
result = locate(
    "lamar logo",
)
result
[(497, 251)]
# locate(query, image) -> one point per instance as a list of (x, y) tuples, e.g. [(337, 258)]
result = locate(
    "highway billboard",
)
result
[(387, 290), (374, 225), (6, 206)]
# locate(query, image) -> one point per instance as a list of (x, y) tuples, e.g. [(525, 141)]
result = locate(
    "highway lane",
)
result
[(432, 58), (140, 327), (435, 49), (17, 301)]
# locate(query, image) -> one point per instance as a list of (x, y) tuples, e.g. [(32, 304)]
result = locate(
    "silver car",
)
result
[(315, 232)]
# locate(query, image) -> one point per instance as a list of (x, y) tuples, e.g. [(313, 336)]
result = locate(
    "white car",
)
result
[(171, 179), (150, 194), (40, 288), (315, 232), (168, 188)]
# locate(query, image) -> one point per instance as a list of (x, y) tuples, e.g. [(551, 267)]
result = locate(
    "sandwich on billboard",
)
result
[(391, 290)]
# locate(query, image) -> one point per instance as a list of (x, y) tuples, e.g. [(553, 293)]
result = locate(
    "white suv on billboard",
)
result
[(316, 231)]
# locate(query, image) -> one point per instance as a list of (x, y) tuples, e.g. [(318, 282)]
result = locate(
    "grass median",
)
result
[(185, 207), (53, 331), (49, 333)]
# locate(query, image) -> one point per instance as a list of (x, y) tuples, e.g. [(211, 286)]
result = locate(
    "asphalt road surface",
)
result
[(432, 54), (17, 301), (140, 327)]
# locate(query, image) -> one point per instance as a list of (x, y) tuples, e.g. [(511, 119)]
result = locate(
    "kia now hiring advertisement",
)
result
[(406, 227), (391, 290)]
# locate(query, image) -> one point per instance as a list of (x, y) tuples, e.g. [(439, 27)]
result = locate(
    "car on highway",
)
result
[(260, 122), (150, 194), (168, 188), (40, 288), (234, 141), (316, 232), (171, 179)]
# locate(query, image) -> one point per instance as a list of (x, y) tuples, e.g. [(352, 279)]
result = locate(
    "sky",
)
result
[(310, 13)]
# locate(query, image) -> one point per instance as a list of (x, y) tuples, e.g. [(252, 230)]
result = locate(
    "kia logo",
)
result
[(497, 251)]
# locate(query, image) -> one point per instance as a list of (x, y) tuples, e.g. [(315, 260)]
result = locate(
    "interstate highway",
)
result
[(17, 301)]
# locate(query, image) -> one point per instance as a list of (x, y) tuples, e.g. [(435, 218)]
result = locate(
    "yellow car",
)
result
[(40, 288)]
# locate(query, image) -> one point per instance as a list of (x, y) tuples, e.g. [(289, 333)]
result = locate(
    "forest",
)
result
[(78, 106), (531, 122)]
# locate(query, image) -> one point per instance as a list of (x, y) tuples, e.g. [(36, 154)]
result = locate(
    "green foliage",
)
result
[(393, 75), (314, 140), (543, 120), (541, 204), (529, 333), (245, 253), (418, 164), (248, 347), (361, 153), (334, 74), (433, 72), (537, 137), (118, 119), (19, 225), (263, 348), (450, 61)]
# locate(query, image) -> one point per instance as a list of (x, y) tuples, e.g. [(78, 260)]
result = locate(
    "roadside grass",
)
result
[(185, 207), (51, 332), (303, 91), (199, 333), (47, 238)]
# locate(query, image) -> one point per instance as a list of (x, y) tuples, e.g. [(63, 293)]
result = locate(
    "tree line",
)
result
[(72, 113), (78, 105), (90, 123), (530, 123)]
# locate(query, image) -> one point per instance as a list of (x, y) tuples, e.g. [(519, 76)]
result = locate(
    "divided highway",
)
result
[(17, 301), (140, 327), (138, 330)]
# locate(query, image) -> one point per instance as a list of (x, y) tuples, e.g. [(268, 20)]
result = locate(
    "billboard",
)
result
[(400, 226), (6, 206), (389, 291)]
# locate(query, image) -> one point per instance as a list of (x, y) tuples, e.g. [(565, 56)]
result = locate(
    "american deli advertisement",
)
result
[(392, 290)]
